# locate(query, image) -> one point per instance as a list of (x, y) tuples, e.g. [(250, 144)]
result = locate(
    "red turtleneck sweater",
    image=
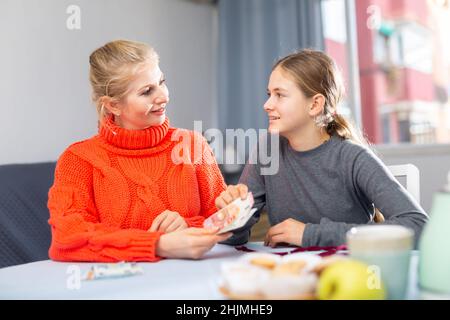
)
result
[(109, 189)]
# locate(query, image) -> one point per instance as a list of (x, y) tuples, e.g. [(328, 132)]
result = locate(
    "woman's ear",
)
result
[(317, 105), (110, 105)]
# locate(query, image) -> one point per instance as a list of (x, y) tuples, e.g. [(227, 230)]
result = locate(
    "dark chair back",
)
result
[(24, 230)]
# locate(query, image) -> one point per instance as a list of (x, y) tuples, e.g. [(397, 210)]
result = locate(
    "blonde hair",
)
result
[(112, 68), (316, 73)]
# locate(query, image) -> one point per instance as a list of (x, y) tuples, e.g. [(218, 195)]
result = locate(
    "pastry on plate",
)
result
[(262, 260), (290, 287), (241, 279), (289, 268)]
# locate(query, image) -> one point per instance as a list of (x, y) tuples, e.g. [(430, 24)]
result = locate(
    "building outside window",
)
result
[(404, 66)]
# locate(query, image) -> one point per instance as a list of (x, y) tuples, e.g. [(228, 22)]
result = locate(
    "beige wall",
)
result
[(45, 95)]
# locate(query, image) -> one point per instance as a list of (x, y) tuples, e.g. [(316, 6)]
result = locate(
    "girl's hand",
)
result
[(289, 231), (231, 194), (168, 221), (191, 243)]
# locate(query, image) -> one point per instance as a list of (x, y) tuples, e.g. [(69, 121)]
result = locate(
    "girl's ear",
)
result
[(111, 105), (317, 105)]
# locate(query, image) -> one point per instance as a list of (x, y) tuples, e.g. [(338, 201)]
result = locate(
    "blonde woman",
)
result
[(328, 180), (122, 195)]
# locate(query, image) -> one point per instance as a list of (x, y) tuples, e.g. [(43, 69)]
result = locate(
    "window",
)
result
[(404, 66)]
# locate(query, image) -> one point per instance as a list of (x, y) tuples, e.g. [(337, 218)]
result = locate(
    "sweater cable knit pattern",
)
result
[(109, 189)]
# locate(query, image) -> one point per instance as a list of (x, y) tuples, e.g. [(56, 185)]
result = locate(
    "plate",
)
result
[(224, 291)]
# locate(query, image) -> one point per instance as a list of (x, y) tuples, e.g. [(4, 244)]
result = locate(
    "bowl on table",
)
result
[(259, 276)]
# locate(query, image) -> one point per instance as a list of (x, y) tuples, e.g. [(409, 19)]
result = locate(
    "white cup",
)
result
[(387, 247)]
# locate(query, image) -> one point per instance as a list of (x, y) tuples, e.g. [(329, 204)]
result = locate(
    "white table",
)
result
[(167, 279)]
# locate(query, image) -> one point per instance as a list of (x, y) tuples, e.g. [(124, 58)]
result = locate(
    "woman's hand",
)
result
[(168, 221), (191, 243), (231, 194), (289, 231)]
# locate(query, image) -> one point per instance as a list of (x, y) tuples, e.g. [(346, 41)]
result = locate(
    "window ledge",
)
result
[(409, 148)]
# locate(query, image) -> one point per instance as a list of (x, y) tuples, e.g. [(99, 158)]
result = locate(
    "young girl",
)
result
[(121, 195), (328, 181)]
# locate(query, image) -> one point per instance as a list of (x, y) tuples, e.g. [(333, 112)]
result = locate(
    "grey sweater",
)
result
[(331, 189)]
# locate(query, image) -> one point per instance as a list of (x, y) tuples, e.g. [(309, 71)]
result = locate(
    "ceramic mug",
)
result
[(386, 248)]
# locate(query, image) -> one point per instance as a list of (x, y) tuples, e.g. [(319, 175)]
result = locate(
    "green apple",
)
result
[(350, 280)]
